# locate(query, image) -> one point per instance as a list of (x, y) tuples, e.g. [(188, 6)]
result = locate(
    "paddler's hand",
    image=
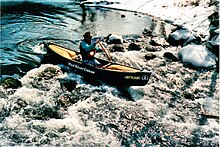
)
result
[(92, 53), (97, 41)]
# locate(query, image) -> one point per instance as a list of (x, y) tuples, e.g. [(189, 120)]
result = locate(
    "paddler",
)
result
[(88, 50)]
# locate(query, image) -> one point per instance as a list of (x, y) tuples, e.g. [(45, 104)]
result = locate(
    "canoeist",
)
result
[(88, 50)]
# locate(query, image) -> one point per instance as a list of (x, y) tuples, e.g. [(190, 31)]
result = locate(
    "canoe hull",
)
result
[(113, 77)]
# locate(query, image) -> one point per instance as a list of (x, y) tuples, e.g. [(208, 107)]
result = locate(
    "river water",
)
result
[(55, 107)]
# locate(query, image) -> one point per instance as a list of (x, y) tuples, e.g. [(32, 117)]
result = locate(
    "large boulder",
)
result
[(182, 36), (197, 56)]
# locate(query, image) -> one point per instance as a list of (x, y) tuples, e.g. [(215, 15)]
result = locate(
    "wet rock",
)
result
[(68, 84), (114, 39), (214, 24), (158, 41), (118, 48), (213, 43), (133, 38), (181, 36), (21, 103), (134, 47), (151, 48), (170, 56), (149, 56), (10, 82), (193, 39), (178, 36), (147, 32), (188, 95), (122, 16)]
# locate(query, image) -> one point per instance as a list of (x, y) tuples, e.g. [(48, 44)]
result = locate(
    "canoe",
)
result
[(110, 72)]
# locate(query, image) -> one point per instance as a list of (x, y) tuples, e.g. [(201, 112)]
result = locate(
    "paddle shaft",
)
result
[(105, 50)]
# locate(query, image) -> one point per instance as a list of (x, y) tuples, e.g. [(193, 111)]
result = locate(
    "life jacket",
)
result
[(85, 54)]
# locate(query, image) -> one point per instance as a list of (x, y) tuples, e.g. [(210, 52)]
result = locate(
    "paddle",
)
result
[(106, 51)]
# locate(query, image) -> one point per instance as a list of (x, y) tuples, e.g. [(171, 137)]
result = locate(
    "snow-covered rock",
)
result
[(198, 56)]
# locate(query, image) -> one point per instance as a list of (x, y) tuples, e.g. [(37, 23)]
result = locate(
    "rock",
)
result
[(122, 16), (198, 56), (188, 95), (181, 36), (134, 47), (193, 39), (133, 37), (213, 31), (170, 56), (10, 82), (68, 84), (158, 41), (118, 48), (114, 39), (213, 45), (178, 37), (45, 75), (151, 48), (214, 19), (147, 32), (149, 56)]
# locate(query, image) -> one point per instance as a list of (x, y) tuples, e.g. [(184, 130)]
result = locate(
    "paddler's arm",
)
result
[(98, 49), (90, 47)]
